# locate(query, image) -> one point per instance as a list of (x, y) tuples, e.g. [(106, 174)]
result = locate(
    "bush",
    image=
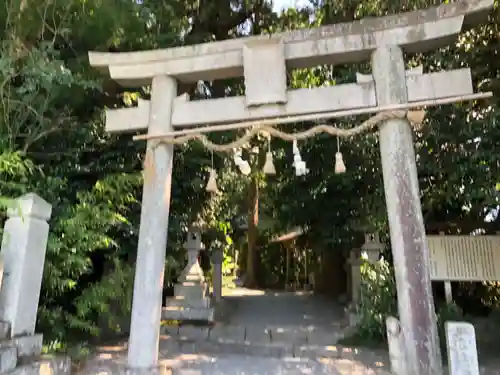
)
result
[(445, 313), (377, 300)]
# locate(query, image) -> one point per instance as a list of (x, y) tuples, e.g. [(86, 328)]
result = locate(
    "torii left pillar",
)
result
[(150, 264)]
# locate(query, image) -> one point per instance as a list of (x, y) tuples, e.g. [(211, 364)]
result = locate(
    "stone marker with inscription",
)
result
[(462, 350)]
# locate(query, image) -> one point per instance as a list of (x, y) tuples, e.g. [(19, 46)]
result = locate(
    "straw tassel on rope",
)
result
[(300, 165), (415, 117), (212, 178), (339, 160), (183, 136), (269, 168), (243, 165)]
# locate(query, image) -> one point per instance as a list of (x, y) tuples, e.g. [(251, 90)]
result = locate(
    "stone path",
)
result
[(283, 308), (293, 319), (111, 361), (266, 333), (244, 365)]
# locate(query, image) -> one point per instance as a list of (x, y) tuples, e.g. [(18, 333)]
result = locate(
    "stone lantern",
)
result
[(372, 248), (190, 301)]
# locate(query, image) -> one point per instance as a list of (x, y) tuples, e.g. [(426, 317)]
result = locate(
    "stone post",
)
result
[(355, 263), (397, 348), (150, 264), (462, 348), (448, 291), (24, 244), (217, 259), (408, 240)]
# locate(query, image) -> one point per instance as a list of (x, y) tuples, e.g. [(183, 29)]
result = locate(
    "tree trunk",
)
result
[(253, 220)]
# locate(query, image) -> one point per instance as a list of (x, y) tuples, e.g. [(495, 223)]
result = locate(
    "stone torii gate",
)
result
[(263, 61)]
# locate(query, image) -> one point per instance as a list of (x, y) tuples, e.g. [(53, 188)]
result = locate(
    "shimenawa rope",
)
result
[(415, 118)]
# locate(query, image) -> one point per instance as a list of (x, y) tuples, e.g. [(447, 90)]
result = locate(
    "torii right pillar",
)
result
[(408, 240)]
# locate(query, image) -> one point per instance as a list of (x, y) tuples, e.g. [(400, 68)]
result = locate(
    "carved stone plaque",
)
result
[(265, 72)]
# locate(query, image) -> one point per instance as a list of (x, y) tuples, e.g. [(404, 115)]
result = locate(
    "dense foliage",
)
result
[(53, 143)]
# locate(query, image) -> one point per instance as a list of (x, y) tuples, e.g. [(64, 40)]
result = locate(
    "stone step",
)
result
[(180, 301), (190, 291), (188, 314), (8, 359), (224, 364), (187, 342)]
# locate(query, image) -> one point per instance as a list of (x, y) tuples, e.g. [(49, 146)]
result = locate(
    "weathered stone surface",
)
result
[(231, 334), (316, 351), (237, 365), (27, 346), (293, 335), (367, 78), (396, 343), (169, 347), (265, 72), (31, 205), (407, 231), (217, 259), (190, 290), (181, 301), (156, 370), (150, 264), (188, 347), (4, 330), (193, 333), (302, 101), (188, 314), (258, 334), (417, 31), (462, 350), (190, 355), (323, 337), (170, 330), (45, 366), (8, 358), (24, 245)]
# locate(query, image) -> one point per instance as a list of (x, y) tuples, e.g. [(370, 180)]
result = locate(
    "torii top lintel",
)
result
[(416, 31)]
